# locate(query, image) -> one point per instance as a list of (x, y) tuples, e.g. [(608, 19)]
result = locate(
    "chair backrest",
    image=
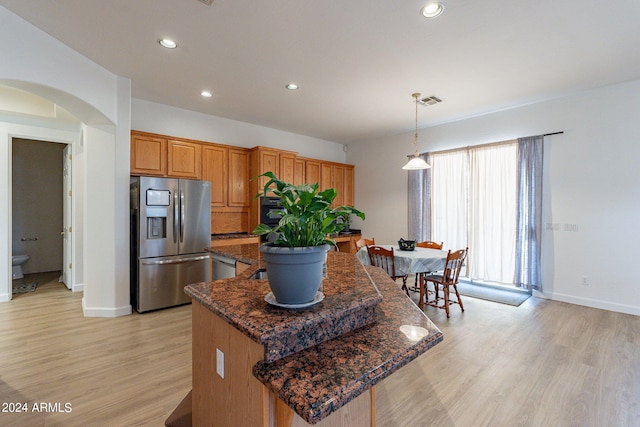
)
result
[(429, 244), (383, 258), (365, 242), (453, 265)]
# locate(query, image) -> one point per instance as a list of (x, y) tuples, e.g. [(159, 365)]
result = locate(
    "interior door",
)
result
[(66, 216)]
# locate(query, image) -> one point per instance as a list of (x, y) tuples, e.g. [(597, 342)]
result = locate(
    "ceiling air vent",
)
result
[(207, 2), (430, 100)]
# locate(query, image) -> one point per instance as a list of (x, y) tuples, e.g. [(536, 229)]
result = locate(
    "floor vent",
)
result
[(430, 100)]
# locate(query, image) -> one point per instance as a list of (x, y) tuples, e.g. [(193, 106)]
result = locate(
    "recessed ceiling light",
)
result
[(206, 94), (432, 10), (168, 43), (292, 86)]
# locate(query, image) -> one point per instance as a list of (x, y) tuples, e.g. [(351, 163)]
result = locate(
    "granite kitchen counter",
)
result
[(248, 253), (317, 381), (350, 302), (320, 358)]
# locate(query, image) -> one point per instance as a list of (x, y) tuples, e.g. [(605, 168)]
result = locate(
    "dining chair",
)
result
[(385, 259), (429, 245), (448, 279), (365, 242)]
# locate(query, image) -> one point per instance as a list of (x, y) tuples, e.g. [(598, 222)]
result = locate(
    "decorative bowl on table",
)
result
[(406, 245)]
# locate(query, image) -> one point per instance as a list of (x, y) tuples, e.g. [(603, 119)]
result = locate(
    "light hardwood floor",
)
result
[(544, 363)]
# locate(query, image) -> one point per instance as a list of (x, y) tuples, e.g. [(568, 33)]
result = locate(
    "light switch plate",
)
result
[(220, 363)]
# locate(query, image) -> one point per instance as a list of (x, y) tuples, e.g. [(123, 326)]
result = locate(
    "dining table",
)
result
[(419, 261)]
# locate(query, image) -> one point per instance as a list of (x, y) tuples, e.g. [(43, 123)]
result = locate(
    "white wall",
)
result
[(590, 179), (163, 119), (37, 63)]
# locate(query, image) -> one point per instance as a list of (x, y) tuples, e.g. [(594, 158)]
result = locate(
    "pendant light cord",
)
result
[(415, 136)]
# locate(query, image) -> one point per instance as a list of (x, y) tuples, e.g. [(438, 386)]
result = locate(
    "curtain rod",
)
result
[(508, 141)]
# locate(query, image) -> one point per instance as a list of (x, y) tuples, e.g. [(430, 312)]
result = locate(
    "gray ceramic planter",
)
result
[(294, 274)]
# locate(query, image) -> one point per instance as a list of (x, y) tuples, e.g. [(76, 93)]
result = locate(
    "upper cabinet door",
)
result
[(238, 177), (263, 160), (148, 155), (287, 167), (299, 172), (349, 181), (326, 176), (338, 184), (214, 169), (312, 171), (184, 159)]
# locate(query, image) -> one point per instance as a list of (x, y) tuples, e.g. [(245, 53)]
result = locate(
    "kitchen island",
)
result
[(258, 364)]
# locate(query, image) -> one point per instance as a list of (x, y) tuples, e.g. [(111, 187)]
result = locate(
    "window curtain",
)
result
[(492, 212), (529, 213), (449, 195), (419, 202)]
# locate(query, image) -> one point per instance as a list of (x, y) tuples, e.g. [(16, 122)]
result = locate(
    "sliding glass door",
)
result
[(473, 204)]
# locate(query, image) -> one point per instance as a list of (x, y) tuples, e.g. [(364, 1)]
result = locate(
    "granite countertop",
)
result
[(350, 302), (248, 253), (228, 236), (317, 379)]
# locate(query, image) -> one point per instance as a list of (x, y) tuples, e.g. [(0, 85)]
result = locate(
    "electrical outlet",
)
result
[(585, 280), (220, 363), (571, 227)]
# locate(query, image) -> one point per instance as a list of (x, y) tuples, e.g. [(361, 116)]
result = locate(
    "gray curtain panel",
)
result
[(419, 203), (529, 221)]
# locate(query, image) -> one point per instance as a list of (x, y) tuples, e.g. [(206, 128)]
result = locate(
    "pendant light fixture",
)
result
[(416, 162)]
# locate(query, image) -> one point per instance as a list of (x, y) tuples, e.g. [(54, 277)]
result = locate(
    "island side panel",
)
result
[(360, 412), (238, 398)]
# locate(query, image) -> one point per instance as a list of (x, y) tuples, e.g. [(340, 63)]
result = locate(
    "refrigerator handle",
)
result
[(175, 217), (181, 216), (174, 260)]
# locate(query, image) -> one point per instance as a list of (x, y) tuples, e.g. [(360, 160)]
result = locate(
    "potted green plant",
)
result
[(295, 259)]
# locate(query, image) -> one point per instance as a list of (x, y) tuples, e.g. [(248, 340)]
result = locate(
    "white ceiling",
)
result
[(357, 61)]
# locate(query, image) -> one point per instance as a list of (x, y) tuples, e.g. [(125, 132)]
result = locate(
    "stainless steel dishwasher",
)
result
[(222, 267)]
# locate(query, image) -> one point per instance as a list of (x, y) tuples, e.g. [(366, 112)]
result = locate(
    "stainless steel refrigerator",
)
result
[(170, 231)]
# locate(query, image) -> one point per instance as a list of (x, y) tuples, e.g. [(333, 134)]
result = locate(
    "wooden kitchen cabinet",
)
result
[(184, 159), (215, 170), (338, 184), (228, 170), (326, 176), (261, 160), (312, 171), (234, 208), (238, 189), (299, 172), (148, 155), (349, 184), (287, 166), (347, 243), (332, 175)]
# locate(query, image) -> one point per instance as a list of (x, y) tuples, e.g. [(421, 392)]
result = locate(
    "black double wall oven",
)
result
[(268, 216)]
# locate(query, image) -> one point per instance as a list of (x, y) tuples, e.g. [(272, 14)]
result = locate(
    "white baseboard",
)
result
[(588, 302), (5, 297), (78, 287), (105, 312)]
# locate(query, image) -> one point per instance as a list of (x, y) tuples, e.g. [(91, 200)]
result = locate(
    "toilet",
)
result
[(16, 263)]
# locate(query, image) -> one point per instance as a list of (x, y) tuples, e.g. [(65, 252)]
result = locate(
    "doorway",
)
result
[(40, 211)]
